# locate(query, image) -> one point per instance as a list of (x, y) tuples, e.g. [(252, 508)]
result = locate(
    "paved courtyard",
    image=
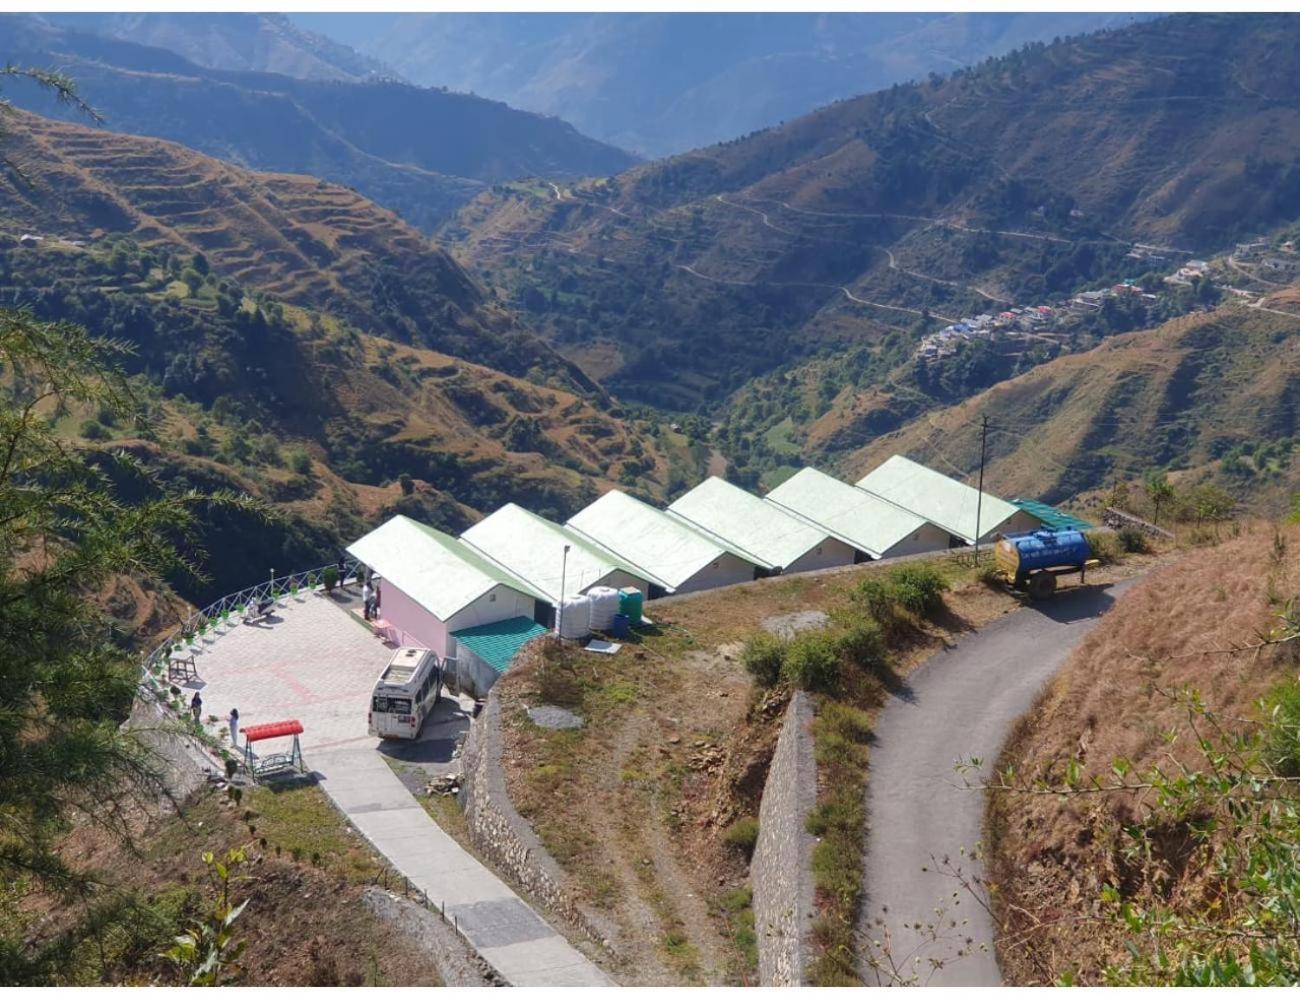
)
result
[(313, 660)]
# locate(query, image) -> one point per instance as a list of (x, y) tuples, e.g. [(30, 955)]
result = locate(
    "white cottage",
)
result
[(433, 585)]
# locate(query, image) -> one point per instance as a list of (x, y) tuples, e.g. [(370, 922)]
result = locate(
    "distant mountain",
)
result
[(1020, 179), (300, 343), (662, 83), (263, 43), (419, 151)]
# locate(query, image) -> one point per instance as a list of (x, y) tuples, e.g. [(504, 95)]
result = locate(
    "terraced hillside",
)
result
[(1213, 395), (422, 152), (297, 238), (1026, 177)]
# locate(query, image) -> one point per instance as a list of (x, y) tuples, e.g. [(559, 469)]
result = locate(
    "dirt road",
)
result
[(918, 919)]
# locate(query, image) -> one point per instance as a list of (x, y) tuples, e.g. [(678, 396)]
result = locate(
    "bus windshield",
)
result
[(391, 706)]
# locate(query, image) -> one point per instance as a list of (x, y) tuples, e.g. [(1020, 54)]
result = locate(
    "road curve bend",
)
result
[(961, 703)]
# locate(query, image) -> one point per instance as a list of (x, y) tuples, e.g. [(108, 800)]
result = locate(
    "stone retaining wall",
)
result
[(781, 871), (503, 837)]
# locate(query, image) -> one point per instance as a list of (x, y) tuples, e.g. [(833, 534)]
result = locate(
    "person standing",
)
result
[(367, 601), (234, 727), (196, 707), (377, 610)]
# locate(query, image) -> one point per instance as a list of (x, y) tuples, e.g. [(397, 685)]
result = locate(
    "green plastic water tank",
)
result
[(630, 602)]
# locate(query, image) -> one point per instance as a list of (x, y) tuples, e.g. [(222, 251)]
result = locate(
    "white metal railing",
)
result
[(208, 623)]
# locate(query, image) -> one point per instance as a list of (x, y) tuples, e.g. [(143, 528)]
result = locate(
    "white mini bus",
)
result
[(405, 694)]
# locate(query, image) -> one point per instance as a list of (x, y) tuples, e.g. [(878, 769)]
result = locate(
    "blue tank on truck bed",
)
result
[(1032, 560)]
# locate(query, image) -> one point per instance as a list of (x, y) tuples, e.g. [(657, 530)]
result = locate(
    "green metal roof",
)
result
[(436, 571), (497, 644), (1051, 517), (939, 499)]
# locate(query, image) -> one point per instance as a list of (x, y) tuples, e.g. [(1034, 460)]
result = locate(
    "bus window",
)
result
[(394, 706)]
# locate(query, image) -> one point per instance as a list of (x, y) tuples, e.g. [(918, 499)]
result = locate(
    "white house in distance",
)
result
[(665, 549), (873, 526), (434, 585), (532, 548), (774, 539), (944, 501)]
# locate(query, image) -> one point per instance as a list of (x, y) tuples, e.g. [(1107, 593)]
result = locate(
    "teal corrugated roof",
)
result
[(497, 644), (1051, 517)]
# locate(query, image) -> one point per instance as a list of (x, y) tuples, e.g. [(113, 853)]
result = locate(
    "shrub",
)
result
[(863, 643), (406, 483), (763, 655), (812, 662), (1132, 540), (742, 834), (93, 430), (299, 461), (330, 577), (875, 597), (1282, 741), (918, 589), (1105, 548)]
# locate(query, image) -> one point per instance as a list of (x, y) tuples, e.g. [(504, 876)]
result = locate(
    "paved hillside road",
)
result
[(959, 704)]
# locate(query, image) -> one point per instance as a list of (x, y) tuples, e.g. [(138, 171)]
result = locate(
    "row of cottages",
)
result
[(944, 502), (480, 597), (666, 551)]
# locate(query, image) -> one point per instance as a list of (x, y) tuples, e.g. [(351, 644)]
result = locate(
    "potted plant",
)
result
[(331, 579)]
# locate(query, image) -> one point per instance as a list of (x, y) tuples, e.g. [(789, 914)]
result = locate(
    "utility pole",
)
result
[(559, 610), (979, 497)]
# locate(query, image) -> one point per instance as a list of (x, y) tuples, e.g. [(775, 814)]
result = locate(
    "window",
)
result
[(390, 706)]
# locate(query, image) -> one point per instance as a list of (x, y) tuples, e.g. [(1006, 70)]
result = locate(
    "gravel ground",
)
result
[(797, 621), (554, 717), (456, 962)]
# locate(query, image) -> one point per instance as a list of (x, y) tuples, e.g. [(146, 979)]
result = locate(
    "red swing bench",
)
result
[(275, 763)]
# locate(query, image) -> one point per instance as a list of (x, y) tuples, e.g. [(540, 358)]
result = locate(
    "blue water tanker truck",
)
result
[(1032, 560)]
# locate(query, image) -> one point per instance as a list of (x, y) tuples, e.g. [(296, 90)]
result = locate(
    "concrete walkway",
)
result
[(315, 662), (499, 925), (960, 704)]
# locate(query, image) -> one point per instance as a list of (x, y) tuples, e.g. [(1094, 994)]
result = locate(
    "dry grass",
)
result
[(305, 922), (1050, 856)]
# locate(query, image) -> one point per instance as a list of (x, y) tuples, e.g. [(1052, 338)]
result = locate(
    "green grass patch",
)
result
[(738, 909), (779, 440)]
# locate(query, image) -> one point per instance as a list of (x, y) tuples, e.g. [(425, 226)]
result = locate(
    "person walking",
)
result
[(196, 708), (234, 727), (367, 601)]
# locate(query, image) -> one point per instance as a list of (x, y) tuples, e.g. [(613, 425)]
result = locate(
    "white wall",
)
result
[(825, 554), (1020, 521), (618, 580), (722, 571), (416, 625), (927, 538)]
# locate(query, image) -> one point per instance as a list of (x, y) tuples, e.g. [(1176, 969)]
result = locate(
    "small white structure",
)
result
[(774, 539), (874, 526), (944, 501), (664, 549), (532, 548), (433, 584)]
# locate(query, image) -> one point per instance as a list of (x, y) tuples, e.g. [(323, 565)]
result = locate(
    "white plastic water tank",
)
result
[(604, 606), (575, 618)]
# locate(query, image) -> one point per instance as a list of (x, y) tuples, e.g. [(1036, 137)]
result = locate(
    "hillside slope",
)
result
[(1128, 702), (1022, 178), (1183, 396), (297, 342), (296, 238), (419, 151)]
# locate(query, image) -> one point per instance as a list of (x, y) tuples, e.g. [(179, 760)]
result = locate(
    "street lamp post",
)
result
[(559, 610)]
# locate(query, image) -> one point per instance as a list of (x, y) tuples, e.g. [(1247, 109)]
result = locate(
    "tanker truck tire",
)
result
[(1042, 586)]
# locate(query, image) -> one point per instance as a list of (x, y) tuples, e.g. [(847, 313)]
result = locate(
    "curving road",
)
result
[(960, 704)]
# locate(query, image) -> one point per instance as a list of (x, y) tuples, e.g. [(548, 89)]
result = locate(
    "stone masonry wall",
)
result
[(781, 870), (501, 835)]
